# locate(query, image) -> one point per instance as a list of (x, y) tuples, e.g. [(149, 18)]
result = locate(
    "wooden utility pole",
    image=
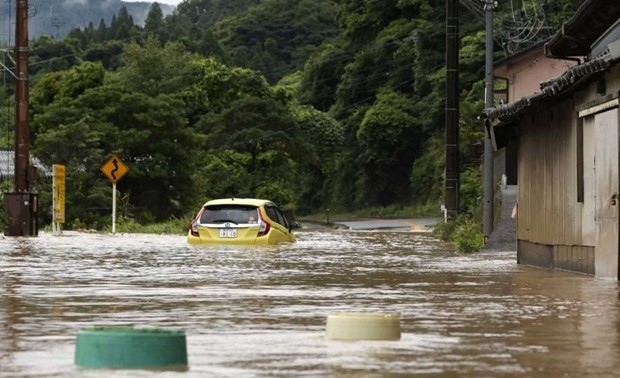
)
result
[(451, 195), (22, 132)]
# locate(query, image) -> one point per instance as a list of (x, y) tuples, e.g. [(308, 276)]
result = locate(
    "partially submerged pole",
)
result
[(452, 110), (487, 229), (22, 132), (21, 205)]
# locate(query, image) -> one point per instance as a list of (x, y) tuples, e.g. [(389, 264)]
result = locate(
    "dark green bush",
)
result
[(468, 237)]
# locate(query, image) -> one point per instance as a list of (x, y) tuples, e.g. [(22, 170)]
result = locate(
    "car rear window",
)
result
[(229, 213)]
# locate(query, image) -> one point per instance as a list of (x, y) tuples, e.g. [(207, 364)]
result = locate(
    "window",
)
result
[(239, 214), (276, 215)]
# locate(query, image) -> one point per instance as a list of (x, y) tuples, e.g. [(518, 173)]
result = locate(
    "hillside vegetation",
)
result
[(56, 18), (315, 104)]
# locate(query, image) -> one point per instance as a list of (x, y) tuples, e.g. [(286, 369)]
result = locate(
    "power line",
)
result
[(525, 25)]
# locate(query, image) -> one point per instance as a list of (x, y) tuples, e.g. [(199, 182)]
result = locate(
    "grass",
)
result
[(392, 211), (175, 226)]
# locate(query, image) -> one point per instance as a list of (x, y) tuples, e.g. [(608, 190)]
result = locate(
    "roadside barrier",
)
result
[(131, 348), (363, 326)]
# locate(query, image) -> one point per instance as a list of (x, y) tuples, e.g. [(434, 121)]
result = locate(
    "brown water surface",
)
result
[(261, 312)]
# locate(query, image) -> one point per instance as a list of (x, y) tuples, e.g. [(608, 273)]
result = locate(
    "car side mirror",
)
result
[(294, 225)]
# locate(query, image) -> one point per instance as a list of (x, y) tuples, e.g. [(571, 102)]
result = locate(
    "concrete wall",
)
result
[(525, 72)]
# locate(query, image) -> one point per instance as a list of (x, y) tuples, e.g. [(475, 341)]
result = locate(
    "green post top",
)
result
[(131, 348)]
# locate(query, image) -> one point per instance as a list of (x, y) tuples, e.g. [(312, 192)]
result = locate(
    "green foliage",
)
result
[(206, 13), (468, 237), (50, 55), (321, 76), (209, 86), (154, 23), (153, 70), (471, 193), (387, 126), (276, 37), (223, 174), (323, 132), (66, 84), (464, 232), (427, 171), (174, 226), (355, 124), (444, 231), (107, 53), (391, 211), (85, 120)]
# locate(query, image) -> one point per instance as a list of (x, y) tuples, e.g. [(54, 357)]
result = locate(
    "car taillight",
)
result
[(264, 226), (193, 226)]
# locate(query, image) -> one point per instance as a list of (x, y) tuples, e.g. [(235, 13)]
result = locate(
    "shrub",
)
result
[(468, 237), (445, 230)]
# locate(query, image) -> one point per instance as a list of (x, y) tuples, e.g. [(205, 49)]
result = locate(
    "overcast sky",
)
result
[(172, 2)]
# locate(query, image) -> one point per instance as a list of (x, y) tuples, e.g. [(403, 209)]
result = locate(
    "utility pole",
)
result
[(21, 205), (489, 7), (451, 195), (22, 133)]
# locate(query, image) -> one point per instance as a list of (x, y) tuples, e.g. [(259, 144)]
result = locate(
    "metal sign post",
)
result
[(113, 208), (114, 169)]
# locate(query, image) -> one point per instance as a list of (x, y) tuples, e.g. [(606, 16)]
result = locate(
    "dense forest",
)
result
[(58, 17), (314, 104)]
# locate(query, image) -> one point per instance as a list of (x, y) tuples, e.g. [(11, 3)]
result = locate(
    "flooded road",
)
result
[(261, 312)]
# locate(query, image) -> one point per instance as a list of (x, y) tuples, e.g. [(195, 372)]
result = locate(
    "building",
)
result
[(568, 153), (519, 75), (7, 166)]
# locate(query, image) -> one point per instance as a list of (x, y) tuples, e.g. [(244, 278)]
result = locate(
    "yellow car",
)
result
[(246, 221)]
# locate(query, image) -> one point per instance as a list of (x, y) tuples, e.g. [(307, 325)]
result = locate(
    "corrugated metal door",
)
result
[(606, 193)]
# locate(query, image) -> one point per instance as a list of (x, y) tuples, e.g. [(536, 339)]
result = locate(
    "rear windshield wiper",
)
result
[(225, 221)]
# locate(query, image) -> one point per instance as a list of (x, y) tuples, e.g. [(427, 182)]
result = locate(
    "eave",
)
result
[(553, 90), (577, 35)]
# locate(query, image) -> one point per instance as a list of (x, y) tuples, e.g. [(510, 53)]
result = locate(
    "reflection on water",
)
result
[(261, 312)]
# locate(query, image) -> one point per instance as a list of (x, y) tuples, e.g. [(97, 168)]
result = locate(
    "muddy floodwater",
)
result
[(261, 312)]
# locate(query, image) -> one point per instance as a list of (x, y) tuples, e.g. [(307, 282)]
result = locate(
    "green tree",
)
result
[(122, 25), (324, 137), (267, 143), (109, 54), (151, 69), (389, 142), (49, 55), (154, 23), (276, 37), (101, 34), (108, 118)]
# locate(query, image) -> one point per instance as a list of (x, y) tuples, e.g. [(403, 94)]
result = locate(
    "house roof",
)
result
[(563, 84), (575, 38), (500, 120)]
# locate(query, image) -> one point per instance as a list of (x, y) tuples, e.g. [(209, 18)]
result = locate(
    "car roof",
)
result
[(238, 201)]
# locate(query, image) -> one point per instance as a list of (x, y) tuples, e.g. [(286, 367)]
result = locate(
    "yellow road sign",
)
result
[(59, 193), (114, 169)]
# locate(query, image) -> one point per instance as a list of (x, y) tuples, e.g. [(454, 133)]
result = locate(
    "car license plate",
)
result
[(228, 232)]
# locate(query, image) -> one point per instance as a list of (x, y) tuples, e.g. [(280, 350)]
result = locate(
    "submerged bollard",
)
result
[(130, 348), (363, 326)]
